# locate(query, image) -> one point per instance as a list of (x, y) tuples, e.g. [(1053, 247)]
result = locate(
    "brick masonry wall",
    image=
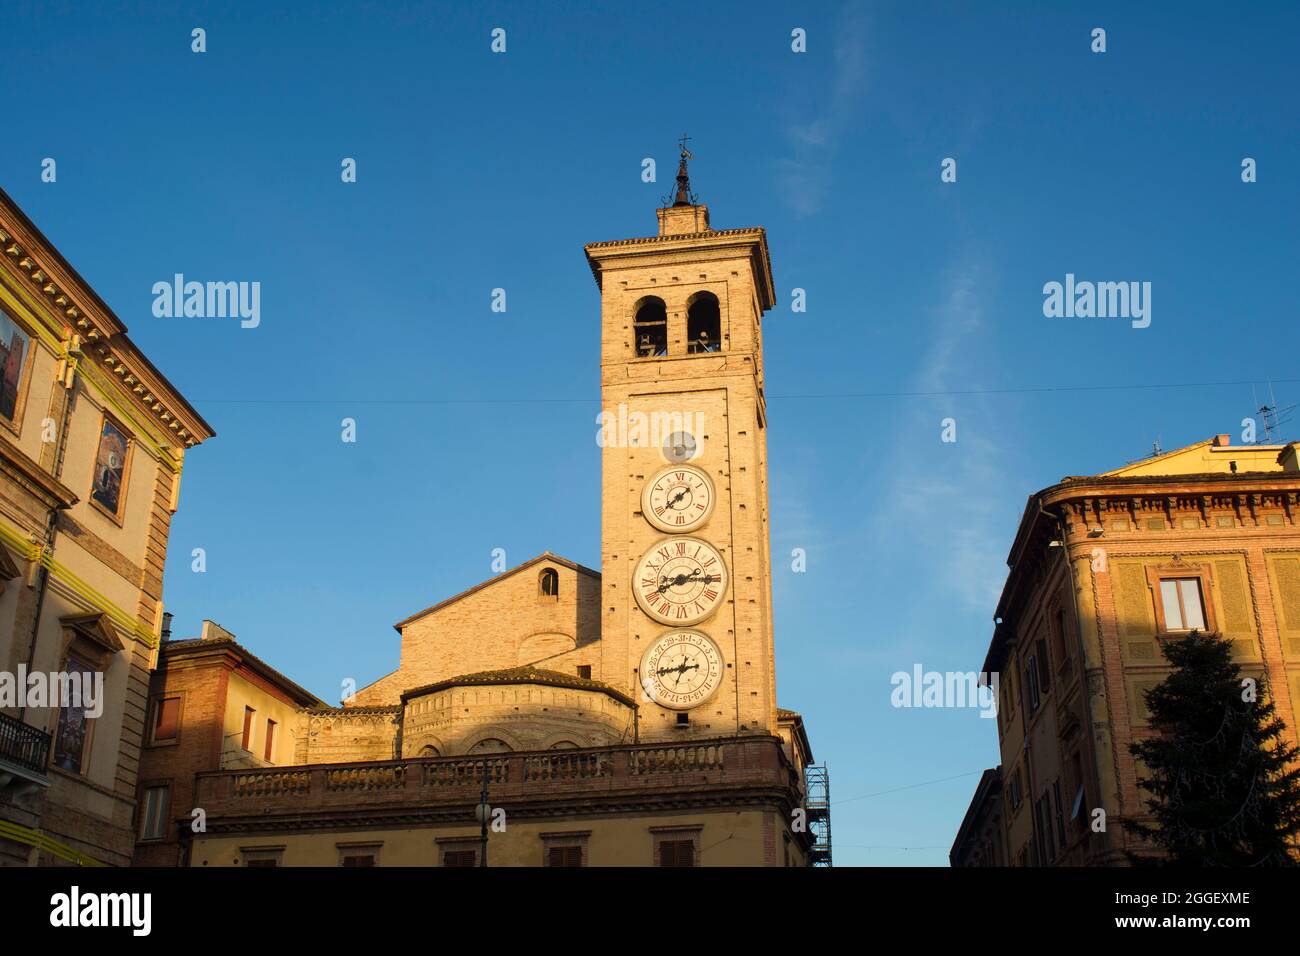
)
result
[(506, 623), (1250, 582)]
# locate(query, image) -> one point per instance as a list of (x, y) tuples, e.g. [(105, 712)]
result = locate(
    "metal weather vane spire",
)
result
[(684, 195)]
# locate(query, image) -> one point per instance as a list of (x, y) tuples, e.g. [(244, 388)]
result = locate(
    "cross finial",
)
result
[(684, 195)]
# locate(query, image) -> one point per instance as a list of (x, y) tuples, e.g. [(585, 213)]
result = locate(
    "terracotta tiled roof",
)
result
[(192, 646), (371, 709), (521, 675)]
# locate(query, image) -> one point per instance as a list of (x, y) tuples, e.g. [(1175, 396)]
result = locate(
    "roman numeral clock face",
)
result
[(678, 499), (680, 581)]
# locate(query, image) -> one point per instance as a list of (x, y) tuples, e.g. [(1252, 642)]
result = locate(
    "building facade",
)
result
[(982, 837), (92, 445), (212, 705), (1103, 569), (625, 716)]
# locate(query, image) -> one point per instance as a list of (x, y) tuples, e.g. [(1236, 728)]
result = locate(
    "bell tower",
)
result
[(686, 603)]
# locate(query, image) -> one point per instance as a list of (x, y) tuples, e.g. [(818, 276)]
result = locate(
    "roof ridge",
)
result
[(544, 556)]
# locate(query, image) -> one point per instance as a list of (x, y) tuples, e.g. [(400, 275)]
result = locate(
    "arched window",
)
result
[(548, 583), (564, 745), (490, 745), (650, 329), (429, 750), (703, 324)]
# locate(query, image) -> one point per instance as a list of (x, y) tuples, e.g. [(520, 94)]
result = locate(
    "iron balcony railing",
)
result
[(23, 745)]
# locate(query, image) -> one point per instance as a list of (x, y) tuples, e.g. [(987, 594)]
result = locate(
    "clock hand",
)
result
[(681, 579)]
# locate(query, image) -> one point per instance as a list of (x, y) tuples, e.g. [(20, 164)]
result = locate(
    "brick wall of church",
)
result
[(524, 716), (506, 623), (344, 735)]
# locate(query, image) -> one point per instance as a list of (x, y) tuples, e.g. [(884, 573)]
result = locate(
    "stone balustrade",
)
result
[(708, 766)]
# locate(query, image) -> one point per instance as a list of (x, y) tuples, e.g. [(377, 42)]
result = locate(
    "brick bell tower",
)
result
[(686, 604)]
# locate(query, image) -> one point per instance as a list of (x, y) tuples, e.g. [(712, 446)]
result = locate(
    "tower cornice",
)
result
[(70, 301), (629, 253)]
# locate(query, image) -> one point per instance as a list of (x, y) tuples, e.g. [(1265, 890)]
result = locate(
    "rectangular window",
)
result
[(15, 351), (1078, 806), (72, 735), (1060, 812), (108, 484), (1043, 822), (460, 858), (584, 671), (677, 853), (1182, 603), (153, 812), (262, 855), (248, 729), (564, 856), (166, 719), (270, 740), (359, 854), (1044, 668), (1062, 642), (1015, 791), (1032, 700)]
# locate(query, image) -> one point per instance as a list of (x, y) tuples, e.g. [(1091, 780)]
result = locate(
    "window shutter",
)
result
[(167, 719), (565, 856), (677, 853)]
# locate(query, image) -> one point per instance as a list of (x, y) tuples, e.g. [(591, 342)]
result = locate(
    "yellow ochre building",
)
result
[(1103, 569), (92, 442)]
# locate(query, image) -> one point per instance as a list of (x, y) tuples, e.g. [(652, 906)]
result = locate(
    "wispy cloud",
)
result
[(805, 177), (951, 498)]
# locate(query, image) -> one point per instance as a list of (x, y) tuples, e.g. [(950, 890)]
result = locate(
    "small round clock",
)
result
[(680, 581), (678, 499), (679, 447), (681, 669)]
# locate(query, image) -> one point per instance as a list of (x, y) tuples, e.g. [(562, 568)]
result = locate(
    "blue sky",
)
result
[(478, 171)]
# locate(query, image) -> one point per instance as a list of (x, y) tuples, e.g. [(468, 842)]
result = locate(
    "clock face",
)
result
[(678, 499), (680, 581), (681, 669), (680, 446)]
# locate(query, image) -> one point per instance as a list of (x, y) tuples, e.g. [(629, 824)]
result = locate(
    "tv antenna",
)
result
[(1271, 416)]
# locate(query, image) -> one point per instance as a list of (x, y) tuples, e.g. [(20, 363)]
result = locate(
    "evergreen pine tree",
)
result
[(1223, 785)]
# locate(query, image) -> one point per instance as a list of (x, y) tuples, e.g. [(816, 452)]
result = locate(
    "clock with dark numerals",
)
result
[(678, 499), (680, 581), (681, 669)]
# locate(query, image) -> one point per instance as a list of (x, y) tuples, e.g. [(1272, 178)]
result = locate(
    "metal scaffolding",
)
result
[(817, 786)]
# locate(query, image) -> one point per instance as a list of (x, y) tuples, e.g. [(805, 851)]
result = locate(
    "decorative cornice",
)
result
[(753, 236), (234, 654), (69, 297), (755, 231), (521, 675), (578, 805), (29, 475)]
